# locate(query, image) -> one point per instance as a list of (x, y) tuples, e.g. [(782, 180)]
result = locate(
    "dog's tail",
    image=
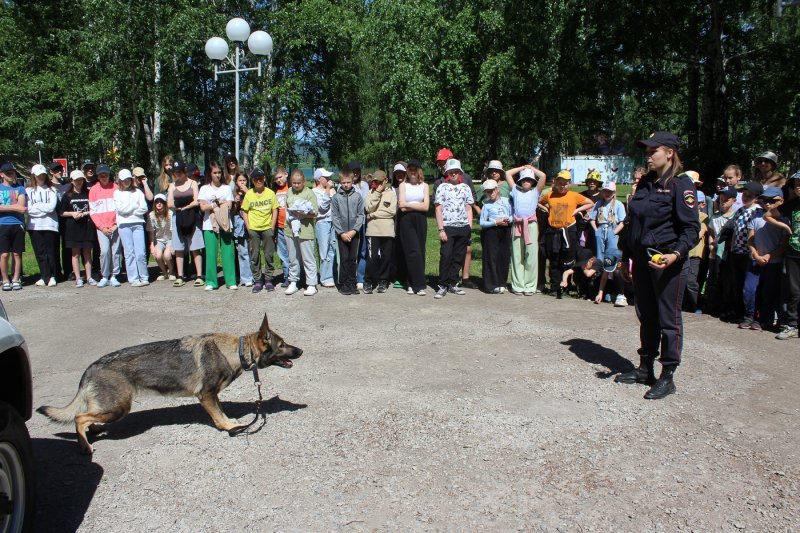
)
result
[(67, 413)]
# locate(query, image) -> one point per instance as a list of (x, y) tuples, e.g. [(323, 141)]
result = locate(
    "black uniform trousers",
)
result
[(738, 263), (659, 298), (348, 261), (561, 247), (452, 253), (399, 271), (496, 256), (413, 229), (379, 259)]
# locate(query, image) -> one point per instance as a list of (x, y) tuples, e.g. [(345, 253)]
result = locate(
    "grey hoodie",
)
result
[(347, 208)]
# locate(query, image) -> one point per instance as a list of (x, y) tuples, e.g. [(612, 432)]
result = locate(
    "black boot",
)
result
[(664, 386), (644, 374)]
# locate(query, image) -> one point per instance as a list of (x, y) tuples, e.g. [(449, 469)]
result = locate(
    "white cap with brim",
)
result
[(125, 174), (38, 170), (400, 167), (322, 173), (158, 197), (76, 175)]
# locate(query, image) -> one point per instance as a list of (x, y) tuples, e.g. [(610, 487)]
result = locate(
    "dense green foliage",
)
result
[(387, 79)]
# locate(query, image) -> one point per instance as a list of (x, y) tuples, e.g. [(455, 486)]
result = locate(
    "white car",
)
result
[(17, 486)]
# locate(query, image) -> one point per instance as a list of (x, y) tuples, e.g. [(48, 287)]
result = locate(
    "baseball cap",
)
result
[(87, 163), (124, 174), (399, 167), (257, 173), (178, 166), (609, 186), (583, 256), (565, 175), (159, 197), (611, 259), (138, 172), (230, 157), (772, 192), (730, 192), (352, 166), (56, 167), (453, 164), (755, 188), (378, 175), (322, 173), (414, 163), (77, 175), (526, 174), (7, 167), (103, 169), (489, 185), (660, 138), (38, 170), (444, 154)]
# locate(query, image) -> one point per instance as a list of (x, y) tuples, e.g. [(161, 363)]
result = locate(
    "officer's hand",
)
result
[(624, 272), (666, 261)]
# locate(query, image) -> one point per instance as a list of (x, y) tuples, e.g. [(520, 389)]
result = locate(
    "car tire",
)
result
[(16, 473)]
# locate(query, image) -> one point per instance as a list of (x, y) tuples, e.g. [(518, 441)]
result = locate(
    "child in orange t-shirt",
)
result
[(561, 233)]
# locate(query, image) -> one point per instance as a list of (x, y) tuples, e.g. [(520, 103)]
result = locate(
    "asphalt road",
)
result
[(475, 412)]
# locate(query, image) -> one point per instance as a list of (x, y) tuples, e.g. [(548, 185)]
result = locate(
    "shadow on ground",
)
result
[(66, 482), (138, 422), (596, 354)]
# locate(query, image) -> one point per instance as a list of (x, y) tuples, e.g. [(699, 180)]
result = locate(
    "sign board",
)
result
[(63, 161)]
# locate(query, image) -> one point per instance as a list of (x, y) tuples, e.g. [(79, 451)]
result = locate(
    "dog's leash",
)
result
[(257, 380)]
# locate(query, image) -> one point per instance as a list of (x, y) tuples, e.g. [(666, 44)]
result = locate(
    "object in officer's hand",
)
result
[(657, 258)]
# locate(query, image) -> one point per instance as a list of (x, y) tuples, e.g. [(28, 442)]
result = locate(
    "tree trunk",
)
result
[(152, 126)]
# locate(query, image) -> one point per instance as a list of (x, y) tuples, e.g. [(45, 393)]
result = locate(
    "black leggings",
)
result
[(44, 246), (413, 229), (496, 258), (348, 261)]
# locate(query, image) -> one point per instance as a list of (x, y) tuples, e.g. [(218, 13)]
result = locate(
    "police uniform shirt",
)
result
[(663, 215)]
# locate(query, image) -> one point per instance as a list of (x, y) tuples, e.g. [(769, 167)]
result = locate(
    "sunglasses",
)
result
[(770, 201)]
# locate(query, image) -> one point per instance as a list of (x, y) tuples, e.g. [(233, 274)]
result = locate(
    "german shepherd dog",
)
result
[(195, 365)]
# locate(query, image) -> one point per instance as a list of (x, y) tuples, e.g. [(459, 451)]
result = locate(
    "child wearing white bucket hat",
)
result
[(606, 219)]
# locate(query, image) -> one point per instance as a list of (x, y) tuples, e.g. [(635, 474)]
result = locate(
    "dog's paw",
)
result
[(87, 450)]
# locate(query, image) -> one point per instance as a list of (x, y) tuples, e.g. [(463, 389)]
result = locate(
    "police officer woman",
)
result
[(663, 226)]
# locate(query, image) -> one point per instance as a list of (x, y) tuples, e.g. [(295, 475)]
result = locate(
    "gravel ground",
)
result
[(473, 413)]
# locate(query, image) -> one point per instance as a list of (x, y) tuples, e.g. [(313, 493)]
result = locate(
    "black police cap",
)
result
[(660, 138)]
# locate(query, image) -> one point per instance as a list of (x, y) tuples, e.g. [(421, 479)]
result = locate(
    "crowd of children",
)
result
[(368, 234)]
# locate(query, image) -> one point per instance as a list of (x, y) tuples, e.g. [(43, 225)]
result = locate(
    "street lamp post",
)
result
[(238, 31), (40, 144)]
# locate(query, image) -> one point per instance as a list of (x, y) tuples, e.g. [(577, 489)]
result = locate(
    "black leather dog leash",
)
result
[(257, 380)]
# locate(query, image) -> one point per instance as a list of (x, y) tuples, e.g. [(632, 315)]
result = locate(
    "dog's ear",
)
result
[(263, 331)]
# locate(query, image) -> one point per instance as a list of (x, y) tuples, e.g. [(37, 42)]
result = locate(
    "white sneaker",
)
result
[(620, 301), (248, 283), (162, 277), (210, 288), (136, 283), (360, 286), (311, 290), (233, 287), (172, 277), (40, 283), (291, 289), (145, 283), (410, 291), (52, 282)]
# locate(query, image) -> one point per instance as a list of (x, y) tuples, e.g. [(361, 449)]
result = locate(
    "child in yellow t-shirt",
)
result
[(561, 232), (260, 213)]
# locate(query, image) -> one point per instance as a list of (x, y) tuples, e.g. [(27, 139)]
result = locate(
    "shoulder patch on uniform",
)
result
[(689, 199)]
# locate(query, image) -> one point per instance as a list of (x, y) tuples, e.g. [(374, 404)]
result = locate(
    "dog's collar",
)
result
[(245, 364)]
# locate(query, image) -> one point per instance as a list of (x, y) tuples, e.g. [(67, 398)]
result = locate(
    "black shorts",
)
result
[(12, 239)]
